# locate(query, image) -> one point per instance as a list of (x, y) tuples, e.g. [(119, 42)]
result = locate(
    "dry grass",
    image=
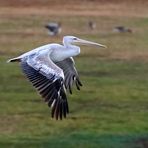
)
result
[(71, 8)]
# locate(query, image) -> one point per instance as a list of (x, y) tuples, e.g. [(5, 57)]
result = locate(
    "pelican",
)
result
[(51, 70)]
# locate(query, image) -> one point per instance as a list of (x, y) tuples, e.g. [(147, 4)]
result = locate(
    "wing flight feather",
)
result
[(70, 73), (48, 82)]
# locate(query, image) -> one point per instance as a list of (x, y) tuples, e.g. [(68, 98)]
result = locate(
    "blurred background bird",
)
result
[(122, 29), (92, 25), (54, 28)]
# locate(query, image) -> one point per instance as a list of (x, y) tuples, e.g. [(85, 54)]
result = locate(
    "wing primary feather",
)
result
[(79, 82), (47, 96), (50, 102), (63, 95), (44, 89), (71, 83), (42, 84), (67, 108), (61, 108), (50, 87), (70, 73), (53, 109), (57, 109), (64, 109), (70, 90), (34, 78), (77, 85), (50, 98)]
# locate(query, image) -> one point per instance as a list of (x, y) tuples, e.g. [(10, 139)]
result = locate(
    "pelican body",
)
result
[(51, 70)]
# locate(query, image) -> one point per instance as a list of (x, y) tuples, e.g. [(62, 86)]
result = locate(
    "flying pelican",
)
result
[(51, 70), (53, 28)]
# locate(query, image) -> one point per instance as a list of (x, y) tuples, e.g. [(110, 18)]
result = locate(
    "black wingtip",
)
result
[(60, 107), (14, 60), (70, 90), (79, 82), (60, 110)]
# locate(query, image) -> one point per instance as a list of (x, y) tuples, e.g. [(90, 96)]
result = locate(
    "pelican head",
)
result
[(75, 40)]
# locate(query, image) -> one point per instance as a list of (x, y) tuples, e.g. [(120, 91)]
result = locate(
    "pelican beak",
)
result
[(84, 42)]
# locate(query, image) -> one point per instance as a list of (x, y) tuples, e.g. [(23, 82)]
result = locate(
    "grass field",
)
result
[(111, 110)]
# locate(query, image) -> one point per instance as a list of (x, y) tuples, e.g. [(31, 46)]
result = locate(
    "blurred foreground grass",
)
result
[(111, 109)]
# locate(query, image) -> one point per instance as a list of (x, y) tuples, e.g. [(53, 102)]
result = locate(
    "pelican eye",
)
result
[(74, 38)]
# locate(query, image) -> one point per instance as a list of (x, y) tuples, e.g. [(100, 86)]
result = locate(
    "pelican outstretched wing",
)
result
[(70, 73), (48, 79)]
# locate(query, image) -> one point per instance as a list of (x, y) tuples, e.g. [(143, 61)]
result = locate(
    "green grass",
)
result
[(111, 109)]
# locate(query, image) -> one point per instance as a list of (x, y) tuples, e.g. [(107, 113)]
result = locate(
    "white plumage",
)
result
[(51, 70)]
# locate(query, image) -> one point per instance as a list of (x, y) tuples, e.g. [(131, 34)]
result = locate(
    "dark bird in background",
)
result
[(53, 28), (122, 29), (91, 25)]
